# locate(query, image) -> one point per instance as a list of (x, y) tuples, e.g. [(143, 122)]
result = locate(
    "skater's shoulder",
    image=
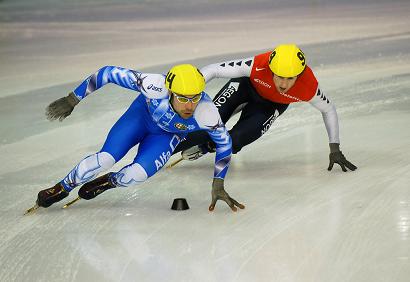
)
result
[(308, 78), (153, 85), (206, 112)]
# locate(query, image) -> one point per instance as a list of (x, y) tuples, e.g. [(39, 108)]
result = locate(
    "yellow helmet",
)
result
[(185, 80), (287, 60)]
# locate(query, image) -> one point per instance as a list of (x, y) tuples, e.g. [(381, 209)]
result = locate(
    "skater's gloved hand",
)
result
[(193, 153), (336, 156), (62, 108), (219, 193)]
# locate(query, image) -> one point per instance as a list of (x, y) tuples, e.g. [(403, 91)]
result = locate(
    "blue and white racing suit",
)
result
[(152, 123)]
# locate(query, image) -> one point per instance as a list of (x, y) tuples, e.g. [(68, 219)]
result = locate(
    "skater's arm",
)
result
[(208, 119), (228, 69), (126, 78), (330, 118), (219, 134), (329, 114), (223, 141), (109, 74)]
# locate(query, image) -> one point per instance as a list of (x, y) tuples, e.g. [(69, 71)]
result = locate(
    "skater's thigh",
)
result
[(155, 150), (231, 96), (127, 132)]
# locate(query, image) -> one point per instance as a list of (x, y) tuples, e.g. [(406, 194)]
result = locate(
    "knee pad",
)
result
[(95, 164), (88, 169), (130, 175)]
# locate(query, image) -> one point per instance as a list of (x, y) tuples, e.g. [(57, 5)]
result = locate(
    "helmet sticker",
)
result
[(170, 78), (301, 57), (271, 56)]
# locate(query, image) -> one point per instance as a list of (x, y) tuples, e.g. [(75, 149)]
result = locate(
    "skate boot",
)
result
[(198, 151), (94, 188), (47, 197)]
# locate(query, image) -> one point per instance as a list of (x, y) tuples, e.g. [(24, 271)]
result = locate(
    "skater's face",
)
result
[(283, 84), (183, 105)]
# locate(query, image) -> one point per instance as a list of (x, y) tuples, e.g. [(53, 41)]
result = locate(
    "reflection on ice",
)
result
[(403, 222)]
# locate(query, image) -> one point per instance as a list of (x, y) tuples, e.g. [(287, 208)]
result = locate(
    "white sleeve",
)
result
[(228, 69), (208, 118), (329, 114), (152, 85), (207, 115)]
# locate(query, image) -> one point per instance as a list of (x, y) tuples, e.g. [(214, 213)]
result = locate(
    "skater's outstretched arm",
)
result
[(228, 69), (62, 108), (208, 118), (330, 118)]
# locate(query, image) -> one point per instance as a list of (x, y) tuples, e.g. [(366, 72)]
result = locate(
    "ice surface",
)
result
[(301, 222)]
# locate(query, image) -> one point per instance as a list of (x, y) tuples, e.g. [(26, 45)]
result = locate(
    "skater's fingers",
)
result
[(230, 203), (233, 208), (343, 167), (236, 203), (213, 203), (350, 166), (331, 163)]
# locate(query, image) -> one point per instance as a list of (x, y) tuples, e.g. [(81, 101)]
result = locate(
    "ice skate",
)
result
[(175, 162), (47, 197), (197, 151), (52, 195), (32, 209), (72, 202), (94, 188)]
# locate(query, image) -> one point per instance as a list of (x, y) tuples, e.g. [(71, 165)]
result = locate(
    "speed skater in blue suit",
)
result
[(166, 109)]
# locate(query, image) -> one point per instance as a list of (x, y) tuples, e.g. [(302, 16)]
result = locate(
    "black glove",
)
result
[(219, 193), (336, 156), (62, 108)]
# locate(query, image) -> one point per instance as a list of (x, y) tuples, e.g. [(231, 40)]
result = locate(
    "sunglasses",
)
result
[(184, 99)]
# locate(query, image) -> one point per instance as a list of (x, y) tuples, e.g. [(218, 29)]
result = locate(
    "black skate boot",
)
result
[(47, 197), (94, 188)]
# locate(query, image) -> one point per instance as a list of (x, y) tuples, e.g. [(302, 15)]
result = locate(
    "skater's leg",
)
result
[(126, 133), (87, 169), (153, 152), (255, 120), (232, 96), (194, 138)]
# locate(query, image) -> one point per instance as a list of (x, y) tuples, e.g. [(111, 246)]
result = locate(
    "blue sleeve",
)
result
[(109, 74), (223, 143)]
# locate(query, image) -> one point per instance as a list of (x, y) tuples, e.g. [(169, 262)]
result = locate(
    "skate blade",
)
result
[(32, 209), (72, 202), (176, 162)]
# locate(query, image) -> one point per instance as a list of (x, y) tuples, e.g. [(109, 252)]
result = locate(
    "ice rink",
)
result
[(301, 222)]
